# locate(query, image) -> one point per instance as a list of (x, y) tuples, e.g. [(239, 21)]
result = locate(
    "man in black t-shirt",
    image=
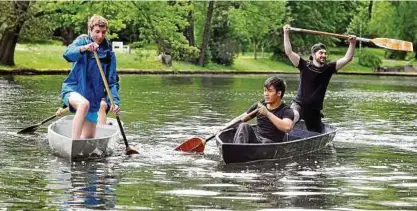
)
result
[(315, 76), (274, 118)]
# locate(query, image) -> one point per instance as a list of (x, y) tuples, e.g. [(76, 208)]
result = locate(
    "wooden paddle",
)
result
[(33, 128), (129, 150), (388, 43), (197, 144)]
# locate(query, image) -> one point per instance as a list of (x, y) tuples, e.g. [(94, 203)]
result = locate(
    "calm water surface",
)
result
[(371, 165)]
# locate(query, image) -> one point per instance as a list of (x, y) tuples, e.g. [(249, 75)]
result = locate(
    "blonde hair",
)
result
[(97, 20)]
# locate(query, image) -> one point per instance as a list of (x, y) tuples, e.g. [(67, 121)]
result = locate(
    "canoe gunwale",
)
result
[(276, 143)]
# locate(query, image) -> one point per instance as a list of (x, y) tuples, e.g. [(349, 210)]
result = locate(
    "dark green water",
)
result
[(371, 165)]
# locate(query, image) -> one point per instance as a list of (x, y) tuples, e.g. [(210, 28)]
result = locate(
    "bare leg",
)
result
[(89, 130), (102, 116), (82, 105)]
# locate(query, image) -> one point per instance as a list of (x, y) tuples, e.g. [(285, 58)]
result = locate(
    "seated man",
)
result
[(274, 117)]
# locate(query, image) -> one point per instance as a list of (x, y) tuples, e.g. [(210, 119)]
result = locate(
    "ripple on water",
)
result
[(190, 192), (301, 193)]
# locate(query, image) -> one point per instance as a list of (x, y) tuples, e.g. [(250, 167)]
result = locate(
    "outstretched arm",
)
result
[(349, 53), (294, 58)]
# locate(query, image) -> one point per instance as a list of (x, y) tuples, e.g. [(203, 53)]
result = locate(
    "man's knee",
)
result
[(296, 116), (244, 125)]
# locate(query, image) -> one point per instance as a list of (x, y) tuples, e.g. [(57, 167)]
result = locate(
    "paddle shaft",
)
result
[(106, 85), (53, 117), (245, 118), (47, 120), (36, 126), (329, 34)]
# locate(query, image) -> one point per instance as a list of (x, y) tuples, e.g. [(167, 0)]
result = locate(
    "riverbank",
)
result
[(40, 59), (193, 72)]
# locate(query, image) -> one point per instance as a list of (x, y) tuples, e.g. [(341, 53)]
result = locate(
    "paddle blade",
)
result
[(131, 150), (393, 44), (30, 129), (192, 145)]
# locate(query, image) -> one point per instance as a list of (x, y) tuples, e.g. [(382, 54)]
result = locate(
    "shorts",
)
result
[(91, 116)]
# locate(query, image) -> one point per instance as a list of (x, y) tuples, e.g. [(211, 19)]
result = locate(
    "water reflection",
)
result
[(88, 184), (371, 165)]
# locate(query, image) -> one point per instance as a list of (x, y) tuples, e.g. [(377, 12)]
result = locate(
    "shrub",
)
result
[(368, 59), (223, 51)]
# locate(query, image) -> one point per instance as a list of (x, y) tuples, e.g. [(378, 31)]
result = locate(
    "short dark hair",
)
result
[(318, 46), (278, 83)]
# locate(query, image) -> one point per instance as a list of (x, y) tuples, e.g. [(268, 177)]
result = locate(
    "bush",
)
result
[(139, 44), (223, 52), (141, 54), (397, 55), (368, 59)]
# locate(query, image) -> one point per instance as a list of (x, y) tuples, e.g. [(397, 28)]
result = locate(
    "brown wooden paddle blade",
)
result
[(131, 150), (192, 145), (393, 44), (30, 129)]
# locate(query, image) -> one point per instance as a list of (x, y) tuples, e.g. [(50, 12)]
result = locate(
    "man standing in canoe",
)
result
[(83, 89), (274, 117), (314, 78)]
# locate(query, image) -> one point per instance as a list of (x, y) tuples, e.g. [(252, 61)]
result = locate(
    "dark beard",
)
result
[(321, 63)]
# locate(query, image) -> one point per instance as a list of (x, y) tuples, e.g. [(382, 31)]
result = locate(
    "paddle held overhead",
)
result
[(387, 43)]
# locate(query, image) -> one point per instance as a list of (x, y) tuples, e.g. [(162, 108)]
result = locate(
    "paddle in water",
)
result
[(388, 43), (197, 144), (33, 128), (129, 150)]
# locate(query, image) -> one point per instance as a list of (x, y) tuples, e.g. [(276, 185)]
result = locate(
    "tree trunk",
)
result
[(370, 9), (206, 35), (11, 36), (262, 55), (255, 53), (67, 35), (7, 47), (189, 30)]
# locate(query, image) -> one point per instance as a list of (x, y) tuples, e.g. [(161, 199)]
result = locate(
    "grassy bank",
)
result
[(49, 57)]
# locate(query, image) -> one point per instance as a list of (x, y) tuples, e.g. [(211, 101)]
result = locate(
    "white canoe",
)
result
[(61, 144)]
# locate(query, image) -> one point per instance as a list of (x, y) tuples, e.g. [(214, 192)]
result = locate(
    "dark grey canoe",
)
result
[(298, 142)]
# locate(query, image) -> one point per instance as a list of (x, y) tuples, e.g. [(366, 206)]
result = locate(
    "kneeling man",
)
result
[(274, 117)]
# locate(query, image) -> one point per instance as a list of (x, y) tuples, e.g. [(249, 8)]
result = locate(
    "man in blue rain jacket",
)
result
[(83, 89)]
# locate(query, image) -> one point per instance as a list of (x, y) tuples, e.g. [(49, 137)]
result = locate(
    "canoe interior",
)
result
[(61, 144), (298, 142)]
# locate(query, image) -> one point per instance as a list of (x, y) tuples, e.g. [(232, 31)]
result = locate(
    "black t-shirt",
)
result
[(313, 83), (265, 127)]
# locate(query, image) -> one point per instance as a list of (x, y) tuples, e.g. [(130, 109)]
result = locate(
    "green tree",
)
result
[(14, 15), (164, 23), (254, 20), (328, 16), (398, 20), (60, 14), (206, 34)]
